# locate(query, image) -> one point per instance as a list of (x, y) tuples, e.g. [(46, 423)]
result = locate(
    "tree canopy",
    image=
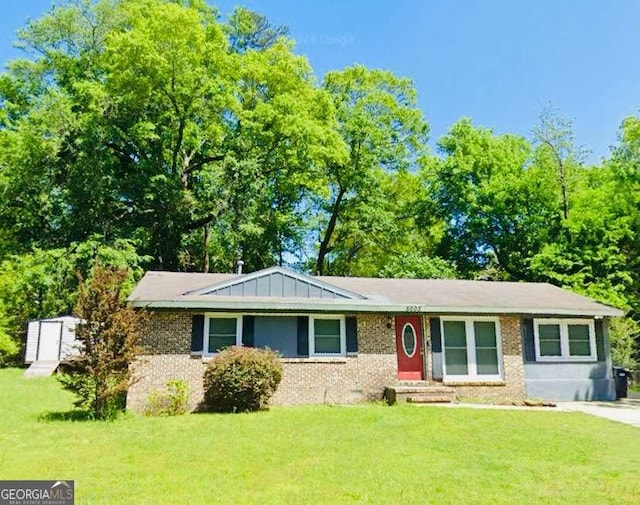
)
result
[(163, 136)]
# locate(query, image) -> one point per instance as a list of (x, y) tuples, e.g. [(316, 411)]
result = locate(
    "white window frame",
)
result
[(564, 339), (472, 365), (312, 339), (220, 315)]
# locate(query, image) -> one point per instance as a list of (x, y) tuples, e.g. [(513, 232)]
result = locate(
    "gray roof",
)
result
[(274, 290)]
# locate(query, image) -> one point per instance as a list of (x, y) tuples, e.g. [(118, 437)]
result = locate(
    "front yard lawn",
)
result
[(369, 453)]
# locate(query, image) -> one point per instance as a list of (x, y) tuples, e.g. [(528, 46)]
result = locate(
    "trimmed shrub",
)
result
[(241, 379), (173, 402)]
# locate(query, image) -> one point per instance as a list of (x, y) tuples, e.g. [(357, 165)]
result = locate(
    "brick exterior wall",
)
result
[(373, 335), (350, 380), (152, 372), (167, 340), (167, 333)]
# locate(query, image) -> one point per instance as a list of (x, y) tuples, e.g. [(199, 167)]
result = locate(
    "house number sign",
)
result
[(414, 308)]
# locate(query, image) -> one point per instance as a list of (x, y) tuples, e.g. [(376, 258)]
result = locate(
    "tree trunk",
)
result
[(207, 238), (563, 187), (331, 226)]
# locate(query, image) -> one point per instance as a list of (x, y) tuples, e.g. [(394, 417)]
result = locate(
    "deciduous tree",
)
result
[(109, 336), (496, 208), (382, 131)]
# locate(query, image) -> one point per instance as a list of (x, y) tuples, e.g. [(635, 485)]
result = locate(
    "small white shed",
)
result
[(49, 341)]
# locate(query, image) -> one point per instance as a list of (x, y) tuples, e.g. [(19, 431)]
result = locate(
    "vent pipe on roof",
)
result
[(240, 264)]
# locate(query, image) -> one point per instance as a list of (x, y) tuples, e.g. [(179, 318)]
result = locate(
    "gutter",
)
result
[(351, 306)]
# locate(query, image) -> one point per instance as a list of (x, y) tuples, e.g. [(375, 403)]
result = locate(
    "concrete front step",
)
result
[(419, 393), (430, 398), (422, 384), (421, 389), (41, 368)]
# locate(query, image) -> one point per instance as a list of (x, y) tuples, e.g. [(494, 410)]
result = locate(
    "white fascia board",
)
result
[(351, 306)]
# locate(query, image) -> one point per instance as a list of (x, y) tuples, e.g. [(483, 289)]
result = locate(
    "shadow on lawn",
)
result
[(70, 415), (203, 408)]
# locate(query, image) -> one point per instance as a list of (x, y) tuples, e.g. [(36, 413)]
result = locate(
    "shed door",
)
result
[(409, 347), (50, 335)]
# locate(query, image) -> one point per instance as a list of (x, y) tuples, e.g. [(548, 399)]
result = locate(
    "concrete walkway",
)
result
[(625, 410)]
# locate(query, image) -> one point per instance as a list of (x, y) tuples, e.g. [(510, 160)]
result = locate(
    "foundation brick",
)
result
[(153, 371)]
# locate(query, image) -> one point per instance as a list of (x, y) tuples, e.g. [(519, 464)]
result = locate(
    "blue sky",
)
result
[(498, 62)]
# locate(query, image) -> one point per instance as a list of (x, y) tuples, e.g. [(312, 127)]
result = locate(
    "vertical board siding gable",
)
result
[(278, 284), (288, 286), (263, 287), (237, 290)]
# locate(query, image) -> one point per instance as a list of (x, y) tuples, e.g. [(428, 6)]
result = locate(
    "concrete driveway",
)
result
[(625, 410)]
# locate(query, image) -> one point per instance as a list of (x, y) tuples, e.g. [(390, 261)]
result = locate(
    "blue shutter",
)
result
[(303, 336), (436, 338), (528, 340), (600, 340), (247, 330), (352, 334), (436, 347), (197, 332)]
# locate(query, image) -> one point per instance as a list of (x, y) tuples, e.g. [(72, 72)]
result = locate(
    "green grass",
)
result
[(372, 454)]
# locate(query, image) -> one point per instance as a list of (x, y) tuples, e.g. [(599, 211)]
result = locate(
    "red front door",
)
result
[(409, 347)]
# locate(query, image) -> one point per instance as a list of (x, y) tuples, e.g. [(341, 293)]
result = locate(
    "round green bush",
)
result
[(241, 379)]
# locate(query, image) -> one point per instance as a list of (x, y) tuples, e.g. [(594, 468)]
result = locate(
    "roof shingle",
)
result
[(175, 290)]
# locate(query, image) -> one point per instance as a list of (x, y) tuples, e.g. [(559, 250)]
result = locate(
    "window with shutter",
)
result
[(221, 331), (564, 340), (327, 336)]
